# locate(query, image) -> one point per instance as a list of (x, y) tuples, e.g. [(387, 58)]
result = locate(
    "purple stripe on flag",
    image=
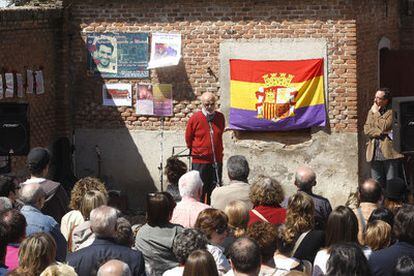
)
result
[(305, 117)]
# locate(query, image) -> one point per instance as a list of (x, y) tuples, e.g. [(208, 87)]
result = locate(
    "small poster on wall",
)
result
[(117, 94), (155, 100), (40, 87), (29, 81), (118, 55), (1, 87), (165, 50), (9, 85), (19, 80)]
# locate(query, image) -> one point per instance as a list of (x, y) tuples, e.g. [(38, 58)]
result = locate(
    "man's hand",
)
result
[(375, 108)]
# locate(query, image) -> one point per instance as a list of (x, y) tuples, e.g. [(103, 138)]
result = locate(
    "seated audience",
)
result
[(155, 238), (245, 257), (305, 180), (184, 244), (404, 267), (123, 233), (347, 259), (382, 262), (200, 263), (174, 169), (56, 201), (342, 226), (187, 210), (299, 233), (213, 223), (267, 194), (395, 194), (103, 224), (9, 189), (33, 198), (238, 214), (15, 224), (3, 248), (37, 252), (238, 188), (377, 235), (369, 195), (74, 217), (59, 270), (114, 268), (82, 235)]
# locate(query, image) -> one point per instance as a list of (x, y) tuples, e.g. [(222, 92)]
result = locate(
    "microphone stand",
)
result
[(215, 165)]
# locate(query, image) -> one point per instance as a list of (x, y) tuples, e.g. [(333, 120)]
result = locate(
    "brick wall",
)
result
[(30, 40)]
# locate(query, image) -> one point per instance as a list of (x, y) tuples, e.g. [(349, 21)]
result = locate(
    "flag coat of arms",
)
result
[(276, 95)]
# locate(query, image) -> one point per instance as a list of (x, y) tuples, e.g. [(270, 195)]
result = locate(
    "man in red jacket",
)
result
[(204, 138)]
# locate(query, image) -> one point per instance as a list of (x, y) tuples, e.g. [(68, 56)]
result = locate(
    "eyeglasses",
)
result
[(221, 229)]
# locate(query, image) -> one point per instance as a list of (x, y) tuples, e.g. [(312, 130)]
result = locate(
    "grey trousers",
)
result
[(385, 170)]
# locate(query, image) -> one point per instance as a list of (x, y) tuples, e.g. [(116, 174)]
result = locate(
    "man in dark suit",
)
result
[(87, 261)]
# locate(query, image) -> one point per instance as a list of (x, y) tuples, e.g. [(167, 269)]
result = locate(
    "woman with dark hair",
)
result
[(155, 238), (342, 226), (404, 266), (347, 259), (266, 195), (200, 263), (383, 214), (214, 224), (174, 169)]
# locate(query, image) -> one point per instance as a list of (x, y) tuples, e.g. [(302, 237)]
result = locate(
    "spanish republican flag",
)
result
[(276, 95)]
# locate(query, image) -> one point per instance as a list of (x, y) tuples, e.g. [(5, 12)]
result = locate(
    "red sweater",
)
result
[(275, 215), (197, 137)]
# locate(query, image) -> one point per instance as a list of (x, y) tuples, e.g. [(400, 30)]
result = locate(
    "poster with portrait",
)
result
[(117, 94), (165, 50), (118, 55), (9, 85), (155, 100)]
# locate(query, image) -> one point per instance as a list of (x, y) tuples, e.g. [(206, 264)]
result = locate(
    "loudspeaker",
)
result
[(14, 129), (403, 124)]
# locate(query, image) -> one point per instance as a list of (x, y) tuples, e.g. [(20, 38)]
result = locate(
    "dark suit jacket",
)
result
[(87, 261), (382, 262)]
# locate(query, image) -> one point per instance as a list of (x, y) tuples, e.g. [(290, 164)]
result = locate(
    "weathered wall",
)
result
[(31, 39)]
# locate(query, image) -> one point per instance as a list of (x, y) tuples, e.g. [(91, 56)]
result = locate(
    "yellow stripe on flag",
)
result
[(243, 94)]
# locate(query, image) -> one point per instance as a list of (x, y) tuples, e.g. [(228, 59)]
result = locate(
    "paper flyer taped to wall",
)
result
[(9, 85), (165, 50), (1, 87), (117, 94), (40, 87), (155, 100), (19, 81), (29, 81)]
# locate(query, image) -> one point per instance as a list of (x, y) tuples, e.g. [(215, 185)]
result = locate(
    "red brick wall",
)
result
[(30, 40)]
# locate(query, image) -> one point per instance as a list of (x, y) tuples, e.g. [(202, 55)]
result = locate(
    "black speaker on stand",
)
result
[(14, 131)]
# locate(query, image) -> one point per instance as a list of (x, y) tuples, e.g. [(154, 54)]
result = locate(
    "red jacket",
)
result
[(197, 137), (275, 215)]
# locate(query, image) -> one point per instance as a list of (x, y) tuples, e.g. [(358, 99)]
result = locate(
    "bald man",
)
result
[(114, 268), (204, 138), (305, 180)]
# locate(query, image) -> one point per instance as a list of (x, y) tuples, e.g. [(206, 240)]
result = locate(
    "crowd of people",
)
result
[(246, 229)]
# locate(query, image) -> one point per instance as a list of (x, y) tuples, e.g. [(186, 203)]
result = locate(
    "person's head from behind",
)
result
[(214, 224), (91, 200), (123, 233), (103, 221), (104, 51), (160, 206), (342, 226), (36, 252), (38, 161), (200, 263), (190, 185), (300, 214), (383, 214), (238, 214), (59, 270), (395, 194), (404, 266), (174, 169), (81, 187), (305, 178), (8, 188), (238, 168), (370, 191), (245, 257), (188, 241), (404, 224), (265, 235), (266, 191), (5, 203), (114, 268), (15, 224), (377, 235), (347, 259), (33, 195)]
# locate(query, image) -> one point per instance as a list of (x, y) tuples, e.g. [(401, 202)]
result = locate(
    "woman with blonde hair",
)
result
[(37, 252), (298, 234), (59, 270), (377, 235), (238, 214), (82, 235)]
